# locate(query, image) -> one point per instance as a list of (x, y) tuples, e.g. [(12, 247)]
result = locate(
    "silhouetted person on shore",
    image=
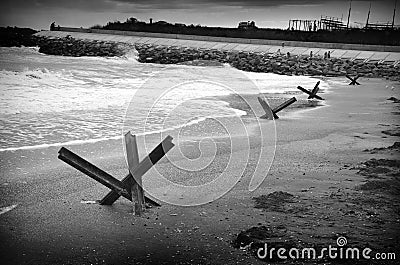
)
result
[(329, 54), (53, 26)]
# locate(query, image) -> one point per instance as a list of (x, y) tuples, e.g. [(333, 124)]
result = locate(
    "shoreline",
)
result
[(234, 100), (290, 111), (313, 162)]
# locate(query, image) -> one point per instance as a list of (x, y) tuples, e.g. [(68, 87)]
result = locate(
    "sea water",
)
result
[(50, 100)]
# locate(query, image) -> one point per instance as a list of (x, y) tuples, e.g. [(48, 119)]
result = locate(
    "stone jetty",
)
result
[(69, 46), (285, 64)]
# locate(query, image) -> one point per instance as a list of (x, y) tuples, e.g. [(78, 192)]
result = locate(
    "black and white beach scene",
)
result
[(199, 132)]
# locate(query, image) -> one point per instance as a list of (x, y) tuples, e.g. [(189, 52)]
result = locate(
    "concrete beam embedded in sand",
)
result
[(141, 169), (126, 187), (269, 111), (353, 80), (132, 156), (92, 171), (284, 105), (313, 93)]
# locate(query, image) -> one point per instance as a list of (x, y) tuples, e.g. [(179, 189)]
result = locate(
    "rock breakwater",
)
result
[(285, 64), (69, 46), (270, 63)]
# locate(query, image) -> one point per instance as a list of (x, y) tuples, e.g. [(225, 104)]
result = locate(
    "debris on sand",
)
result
[(274, 201), (395, 100), (386, 170), (253, 235), (390, 186), (394, 147), (256, 237), (376, 166), (392, 132), (89, 202)]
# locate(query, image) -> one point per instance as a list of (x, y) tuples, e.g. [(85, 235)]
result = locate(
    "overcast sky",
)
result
[(38, 14)]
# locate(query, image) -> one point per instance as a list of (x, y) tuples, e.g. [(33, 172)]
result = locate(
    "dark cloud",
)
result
[(205, 12), (87, 5), (179, 4), (132, 5)]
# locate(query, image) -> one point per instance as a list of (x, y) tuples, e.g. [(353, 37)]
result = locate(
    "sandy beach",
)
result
[(319, 155)]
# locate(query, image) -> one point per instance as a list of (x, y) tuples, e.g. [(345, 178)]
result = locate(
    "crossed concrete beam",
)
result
[(129, 187), (271, 113), (353, 80), (313, 93)]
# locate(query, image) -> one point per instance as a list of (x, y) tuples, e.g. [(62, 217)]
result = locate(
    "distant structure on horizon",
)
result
[(325, 23), (334, 23), (247, 25), (382, 25)]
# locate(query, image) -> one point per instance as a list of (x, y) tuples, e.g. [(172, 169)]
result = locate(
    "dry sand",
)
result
[(317, 158)]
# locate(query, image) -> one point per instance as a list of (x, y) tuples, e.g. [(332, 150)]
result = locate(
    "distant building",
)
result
[(161, 22), (247, 25), (180, 25), (132, 20)]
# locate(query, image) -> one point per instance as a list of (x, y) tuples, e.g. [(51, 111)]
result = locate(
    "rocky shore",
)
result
[(17, 37), (69, 46), (285, 64)]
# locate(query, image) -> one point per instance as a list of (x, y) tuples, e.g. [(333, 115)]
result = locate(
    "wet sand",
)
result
[(318, 154)]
